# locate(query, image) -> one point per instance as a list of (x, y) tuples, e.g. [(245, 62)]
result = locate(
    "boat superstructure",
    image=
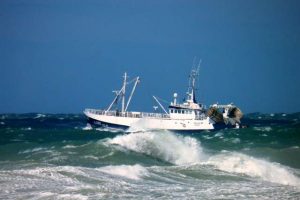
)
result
[(187, 116)]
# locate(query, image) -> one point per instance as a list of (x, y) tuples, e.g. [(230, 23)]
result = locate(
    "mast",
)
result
[(132, 91), (123, 93), (192, 84)]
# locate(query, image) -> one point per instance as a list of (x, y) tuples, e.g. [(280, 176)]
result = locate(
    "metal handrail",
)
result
[(135, 114), (127, 114)]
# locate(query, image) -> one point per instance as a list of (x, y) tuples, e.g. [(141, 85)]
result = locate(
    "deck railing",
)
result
[(127, 114), (136, 114)]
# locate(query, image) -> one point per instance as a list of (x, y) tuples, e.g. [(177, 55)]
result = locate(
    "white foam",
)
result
[(87, 127), (110, 129), (139, 126), (181, 150), (2, 123), (219, 134), (164, 145), (52, 195), (243, 164), (236, 140), (129, 171), (39, 116), (69, 147), (37, 149), (91, 157), (53, 173), (263, 129)]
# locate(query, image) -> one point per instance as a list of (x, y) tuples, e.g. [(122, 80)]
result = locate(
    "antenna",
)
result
[(198, 68), (123, 93)]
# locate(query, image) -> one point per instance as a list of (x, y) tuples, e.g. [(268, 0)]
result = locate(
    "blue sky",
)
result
[(63, 56)]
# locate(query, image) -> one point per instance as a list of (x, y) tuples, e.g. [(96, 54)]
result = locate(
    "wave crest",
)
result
[(253, 167), (165, 145), (129, 171)]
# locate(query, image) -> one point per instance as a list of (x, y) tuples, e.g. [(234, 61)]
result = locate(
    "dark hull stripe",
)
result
[(97, 123)]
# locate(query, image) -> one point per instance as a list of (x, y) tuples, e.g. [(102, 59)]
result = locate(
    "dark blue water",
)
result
[(47, 156)]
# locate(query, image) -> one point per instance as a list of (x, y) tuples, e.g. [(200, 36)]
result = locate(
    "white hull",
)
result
[(153, 123)]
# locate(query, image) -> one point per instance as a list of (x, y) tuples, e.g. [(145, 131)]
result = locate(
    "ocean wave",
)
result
[(109, 129), (253, 167), (39, 116), (181, 150), (235, 140), (163, 145), (219, 135), (91, 157), (129, 171), (37, 149), (87, 127), (48, 173), (52, 195), (69, 146), (263, 129), (26, 129)]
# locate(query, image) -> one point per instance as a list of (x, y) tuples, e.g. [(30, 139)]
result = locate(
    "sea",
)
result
[(60, 156)]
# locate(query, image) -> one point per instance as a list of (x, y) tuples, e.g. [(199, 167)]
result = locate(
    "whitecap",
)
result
[(37, 149), (163, 145), (219, 134), (69, 147), (263, 129), (110, 129), (134, 172), (253, 167), (207, 137), (91, 157), (39, 116), (236, 140), (87, 127)]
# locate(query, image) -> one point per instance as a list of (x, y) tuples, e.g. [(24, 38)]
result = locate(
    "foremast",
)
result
[(122, 93)]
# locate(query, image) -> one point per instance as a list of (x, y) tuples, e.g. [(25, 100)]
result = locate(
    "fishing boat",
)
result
[(186, 116)]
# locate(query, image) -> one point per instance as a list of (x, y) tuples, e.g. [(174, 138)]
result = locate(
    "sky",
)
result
[(62, 56)]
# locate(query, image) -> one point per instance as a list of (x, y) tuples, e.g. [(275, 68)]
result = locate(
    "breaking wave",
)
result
[(129, 171), (186, 150), (165, 145), (253, 167)]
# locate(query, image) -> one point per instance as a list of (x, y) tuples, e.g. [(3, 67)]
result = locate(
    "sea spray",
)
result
[(243, 164), (129, 171), (163, 145), (185, 150), (56, 161)]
